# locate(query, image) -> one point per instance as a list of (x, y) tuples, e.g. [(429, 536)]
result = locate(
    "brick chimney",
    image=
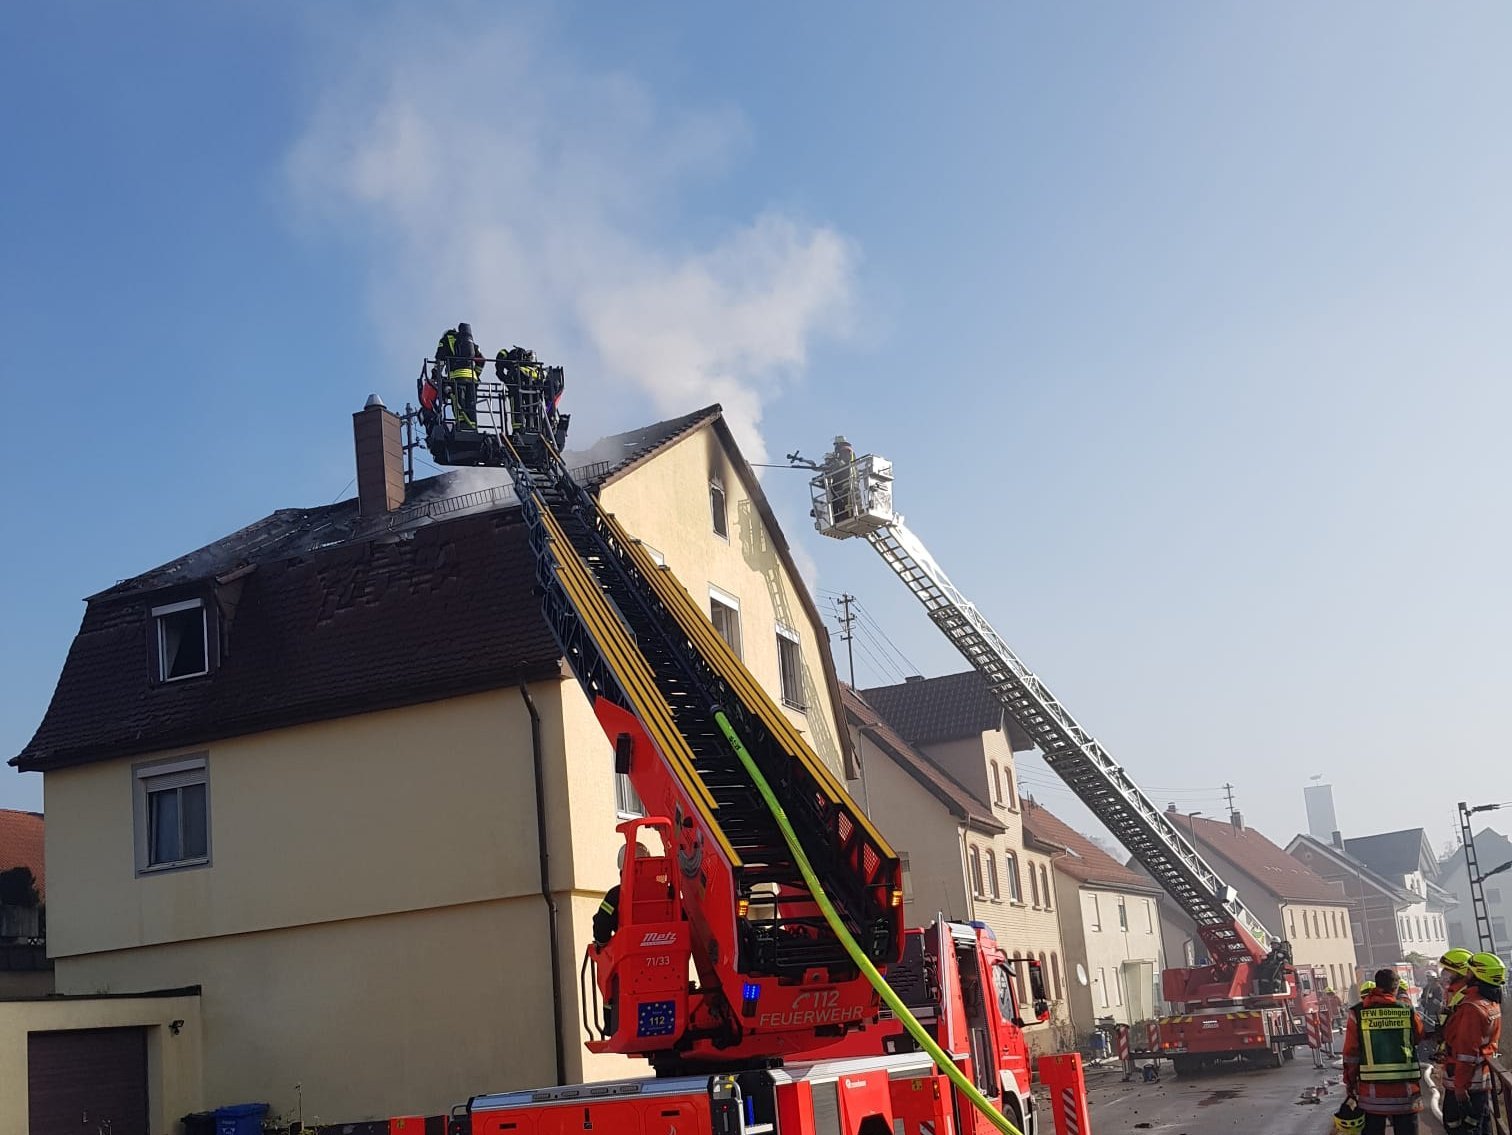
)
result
[(1237, 819), (380, 459)]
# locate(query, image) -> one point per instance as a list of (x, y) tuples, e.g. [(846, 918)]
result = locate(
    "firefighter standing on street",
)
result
[(1454, 968), (1380, 1058), (459, 354), (1472, 1035)]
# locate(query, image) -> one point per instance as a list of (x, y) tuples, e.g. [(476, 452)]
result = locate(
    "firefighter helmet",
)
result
[(1349, 1119), (1488, 968), (1456, 960), (1366, 987)]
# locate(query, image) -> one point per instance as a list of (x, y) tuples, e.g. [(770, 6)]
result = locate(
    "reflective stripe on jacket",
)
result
[(1473, 1034), (1380, 1067)]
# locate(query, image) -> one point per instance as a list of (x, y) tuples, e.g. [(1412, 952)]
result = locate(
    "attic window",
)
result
[(717, 508), (183, 648)]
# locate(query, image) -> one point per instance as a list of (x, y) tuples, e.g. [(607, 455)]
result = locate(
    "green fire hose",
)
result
[(832, 916)]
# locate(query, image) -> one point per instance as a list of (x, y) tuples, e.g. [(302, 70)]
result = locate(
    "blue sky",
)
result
[(1184, 324)]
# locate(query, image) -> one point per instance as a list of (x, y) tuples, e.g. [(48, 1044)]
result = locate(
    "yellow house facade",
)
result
[(332, 771), (989, 866)]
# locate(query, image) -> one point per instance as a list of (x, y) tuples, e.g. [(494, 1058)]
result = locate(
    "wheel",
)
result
[(1185, 1065)]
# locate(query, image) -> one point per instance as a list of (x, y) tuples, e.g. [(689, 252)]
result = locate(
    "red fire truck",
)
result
[(1249, 1000), (756, 903)]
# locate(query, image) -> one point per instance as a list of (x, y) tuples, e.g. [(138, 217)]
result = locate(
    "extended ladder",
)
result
[(853, 497)]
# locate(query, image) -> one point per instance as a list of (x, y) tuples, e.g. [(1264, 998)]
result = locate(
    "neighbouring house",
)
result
[(1289, 898), (958, 861), (1492, 851), (1406, 858), (1375, 902), (24, 967), (296, 768), (1110, 922), (957, 724)]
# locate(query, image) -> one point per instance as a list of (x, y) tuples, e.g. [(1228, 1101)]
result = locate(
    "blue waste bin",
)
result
[(240, 1119)]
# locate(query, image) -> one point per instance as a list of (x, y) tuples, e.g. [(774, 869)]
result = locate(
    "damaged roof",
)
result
[(926, 710), (323, 613)]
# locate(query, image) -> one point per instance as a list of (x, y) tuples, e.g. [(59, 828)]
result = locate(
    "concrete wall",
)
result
[(173, 1061), (665, 503)]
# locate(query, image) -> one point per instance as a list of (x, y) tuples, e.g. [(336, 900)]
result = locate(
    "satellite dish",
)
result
[(1081, 973)]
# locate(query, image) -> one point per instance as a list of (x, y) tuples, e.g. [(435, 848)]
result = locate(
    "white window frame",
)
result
[(722, 517), (724, 598), (1096, 912), (793, 702), (163, 776), (989, 867), (159, 630)]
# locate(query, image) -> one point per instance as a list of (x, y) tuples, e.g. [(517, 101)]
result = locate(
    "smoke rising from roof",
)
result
[(542, 200)]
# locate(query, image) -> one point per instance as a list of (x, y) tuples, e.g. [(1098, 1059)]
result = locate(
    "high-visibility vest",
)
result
[(1387, 1053)]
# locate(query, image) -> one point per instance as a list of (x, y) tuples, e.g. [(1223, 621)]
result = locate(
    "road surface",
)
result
[(1258, 1102)]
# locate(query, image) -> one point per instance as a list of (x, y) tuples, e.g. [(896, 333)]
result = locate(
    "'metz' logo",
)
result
[(659, 938), (852, 1085)]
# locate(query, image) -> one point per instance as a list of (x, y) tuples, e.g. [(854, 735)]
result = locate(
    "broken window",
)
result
[(182, 640), (717, 508)]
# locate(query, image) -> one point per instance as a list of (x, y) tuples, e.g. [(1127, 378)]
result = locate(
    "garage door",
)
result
[(88, 1082)]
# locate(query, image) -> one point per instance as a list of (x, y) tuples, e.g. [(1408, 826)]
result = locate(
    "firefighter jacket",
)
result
[(461, 355), (1380, 1055), (1472, 1034)]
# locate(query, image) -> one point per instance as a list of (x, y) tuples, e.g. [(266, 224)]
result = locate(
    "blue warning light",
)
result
[(751, 991)]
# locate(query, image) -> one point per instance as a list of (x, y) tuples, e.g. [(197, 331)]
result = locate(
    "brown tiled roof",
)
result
[(926, 710), (962, 804), (1082, 859), (1282, 875), (21, 844), (447, 609)]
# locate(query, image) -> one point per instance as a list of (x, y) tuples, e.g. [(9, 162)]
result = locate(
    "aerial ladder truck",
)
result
[(1250, 1001), (758, 905)]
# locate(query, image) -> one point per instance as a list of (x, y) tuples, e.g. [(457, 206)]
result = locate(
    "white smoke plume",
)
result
[(513, 183)]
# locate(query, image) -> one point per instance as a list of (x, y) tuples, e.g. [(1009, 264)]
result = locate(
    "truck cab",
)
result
[(962, 987)]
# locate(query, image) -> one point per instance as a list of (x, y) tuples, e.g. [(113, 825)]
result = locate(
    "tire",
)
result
[(1184, 1064)]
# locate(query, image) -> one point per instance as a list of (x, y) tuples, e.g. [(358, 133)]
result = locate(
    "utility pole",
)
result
[(847, 632), (1475, 878), (1229, 788)]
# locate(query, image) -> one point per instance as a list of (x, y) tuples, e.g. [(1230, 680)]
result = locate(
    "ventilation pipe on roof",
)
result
[(380, 459), (1338, 840)]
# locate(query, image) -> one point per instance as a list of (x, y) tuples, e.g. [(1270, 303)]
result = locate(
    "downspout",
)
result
[(553, 913)]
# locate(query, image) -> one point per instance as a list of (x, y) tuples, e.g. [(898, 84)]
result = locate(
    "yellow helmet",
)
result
[(1456, 960), (1366, 987), (1349, 1119), (1488, 968)]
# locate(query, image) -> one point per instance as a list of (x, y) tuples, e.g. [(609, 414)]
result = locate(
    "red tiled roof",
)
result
[(1082, 859), (1281, 874), (863, 718), (21, 844)]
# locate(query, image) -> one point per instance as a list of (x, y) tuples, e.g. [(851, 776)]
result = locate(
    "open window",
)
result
[(724, 613), (181, 635), (790, 668), (718, 509)]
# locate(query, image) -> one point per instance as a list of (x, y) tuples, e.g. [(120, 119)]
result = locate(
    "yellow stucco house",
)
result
[(331, 770), (958, 820)]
